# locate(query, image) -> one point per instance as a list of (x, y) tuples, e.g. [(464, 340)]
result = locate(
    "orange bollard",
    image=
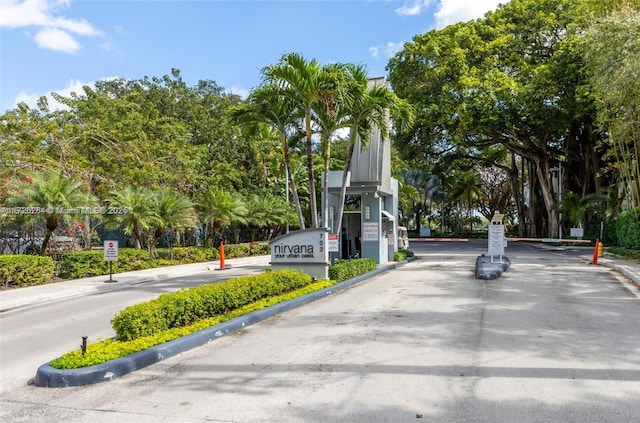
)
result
[(595, 253), (221, 256)]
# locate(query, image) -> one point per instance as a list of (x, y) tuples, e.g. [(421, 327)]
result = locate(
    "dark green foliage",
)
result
[(21, 270), (92, 263), (609, 233), (628, 229), (402, 255), (347, 269), (188, 306)]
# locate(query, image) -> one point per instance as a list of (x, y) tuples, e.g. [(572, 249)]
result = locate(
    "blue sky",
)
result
[(61, 45)]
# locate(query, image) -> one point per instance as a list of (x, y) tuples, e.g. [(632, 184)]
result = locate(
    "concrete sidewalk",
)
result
[(32, 295)]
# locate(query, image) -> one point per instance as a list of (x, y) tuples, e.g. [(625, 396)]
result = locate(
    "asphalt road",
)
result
[(552, 340)]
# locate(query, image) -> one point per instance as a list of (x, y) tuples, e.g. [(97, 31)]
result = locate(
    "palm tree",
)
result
[(369, 107), (140, 216), (218, 209), (306, 83), (174, 212), (331, 115), (56, 196), (267, 104), (575, 209), (467, 189)]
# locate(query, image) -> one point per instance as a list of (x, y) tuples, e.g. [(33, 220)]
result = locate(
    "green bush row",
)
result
[(111, 349), (347, 269), (91, 263), (21, 270), (401, 255), (191, 305)]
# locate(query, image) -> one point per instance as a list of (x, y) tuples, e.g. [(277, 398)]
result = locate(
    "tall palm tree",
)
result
[(140, 216), (57, 197), (267, 104), (369, 107), (331, 115), (306, 83), (218, 209)]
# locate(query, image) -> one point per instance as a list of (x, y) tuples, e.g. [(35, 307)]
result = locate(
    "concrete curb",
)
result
[(49, 377), (497, 269)]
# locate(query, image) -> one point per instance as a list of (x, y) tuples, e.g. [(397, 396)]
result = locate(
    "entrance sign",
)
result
[(111, 251), (305, 250)]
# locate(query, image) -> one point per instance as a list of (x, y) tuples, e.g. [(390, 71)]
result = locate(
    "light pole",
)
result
[(559, 170)]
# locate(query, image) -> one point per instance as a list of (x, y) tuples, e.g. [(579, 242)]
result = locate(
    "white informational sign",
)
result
[(577, 232), (111, 250), (392, 239), (370, 231), (305, 246), (496, 240), (334, 244)]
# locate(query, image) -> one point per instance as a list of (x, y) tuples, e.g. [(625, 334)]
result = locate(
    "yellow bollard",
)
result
[(600, 249)]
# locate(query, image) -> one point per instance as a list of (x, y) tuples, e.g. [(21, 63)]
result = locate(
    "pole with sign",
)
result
[(111, 255)]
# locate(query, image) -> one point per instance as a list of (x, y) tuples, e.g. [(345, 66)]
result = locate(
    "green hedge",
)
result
[(347, 269), (401, 255), (628, 229), (244, 250), (190, 305), (190, 254), (91, 263), (111, 349), (21, 270)]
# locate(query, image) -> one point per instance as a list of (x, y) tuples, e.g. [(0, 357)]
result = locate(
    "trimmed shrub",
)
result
[(401, 255), (347, 269), (628, 229), (193, 254), (190, 305), (91, 263), (21, 270)]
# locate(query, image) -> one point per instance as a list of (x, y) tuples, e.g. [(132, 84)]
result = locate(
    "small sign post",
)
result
[(496, 237), (333, 243), (111, 255)]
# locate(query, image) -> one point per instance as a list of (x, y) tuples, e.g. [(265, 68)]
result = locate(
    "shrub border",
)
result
[(49, 377)]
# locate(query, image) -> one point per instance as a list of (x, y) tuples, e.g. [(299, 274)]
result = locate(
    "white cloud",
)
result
[(413, 7), (240, 91), (56, 39), (453, 11), (385, 50), (53, 31), (74, 86)]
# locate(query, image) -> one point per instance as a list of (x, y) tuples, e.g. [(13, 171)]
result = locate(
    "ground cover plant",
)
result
[(181, 313)]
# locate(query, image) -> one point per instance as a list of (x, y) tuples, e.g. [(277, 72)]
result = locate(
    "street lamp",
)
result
[(559, 170)]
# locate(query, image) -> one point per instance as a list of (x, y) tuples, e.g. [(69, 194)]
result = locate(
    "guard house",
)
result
[(369, 222)]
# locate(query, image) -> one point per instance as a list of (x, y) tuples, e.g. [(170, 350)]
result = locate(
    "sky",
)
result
[(63, 45)]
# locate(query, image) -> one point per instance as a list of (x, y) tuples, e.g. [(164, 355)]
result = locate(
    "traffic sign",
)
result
[(111, 250)]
